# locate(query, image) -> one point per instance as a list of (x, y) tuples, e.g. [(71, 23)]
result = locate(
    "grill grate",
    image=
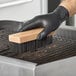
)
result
[(57, 50), (5, 45), (63, 46)]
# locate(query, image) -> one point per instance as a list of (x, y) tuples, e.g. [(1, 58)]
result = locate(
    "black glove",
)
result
[(50, 22)]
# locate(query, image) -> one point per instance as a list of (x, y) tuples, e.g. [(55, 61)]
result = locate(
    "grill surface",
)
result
[(63, 46)]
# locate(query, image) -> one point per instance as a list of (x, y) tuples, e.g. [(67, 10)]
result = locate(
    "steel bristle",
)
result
[(32, 45)]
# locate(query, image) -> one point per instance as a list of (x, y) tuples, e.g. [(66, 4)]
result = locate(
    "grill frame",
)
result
[(16, 67), (64, 38)]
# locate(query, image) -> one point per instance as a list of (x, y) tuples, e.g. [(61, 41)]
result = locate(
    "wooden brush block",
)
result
[(26, 36)]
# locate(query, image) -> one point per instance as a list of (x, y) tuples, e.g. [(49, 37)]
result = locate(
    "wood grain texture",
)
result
[(25, 36)]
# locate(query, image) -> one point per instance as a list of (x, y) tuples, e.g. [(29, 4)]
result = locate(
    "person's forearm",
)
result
[(70, 5)]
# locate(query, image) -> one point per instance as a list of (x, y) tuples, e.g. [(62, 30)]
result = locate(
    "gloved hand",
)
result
[(50, 22)]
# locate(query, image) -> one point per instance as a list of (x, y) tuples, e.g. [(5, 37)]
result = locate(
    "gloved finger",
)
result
[(31, 24), (44, 33)]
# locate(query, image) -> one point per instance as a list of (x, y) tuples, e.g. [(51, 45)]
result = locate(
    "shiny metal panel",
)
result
[(15, 67)]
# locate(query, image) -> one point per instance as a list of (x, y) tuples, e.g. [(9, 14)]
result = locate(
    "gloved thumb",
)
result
[(43, 34)]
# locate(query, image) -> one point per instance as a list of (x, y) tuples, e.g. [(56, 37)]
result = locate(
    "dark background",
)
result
[(52, 4)]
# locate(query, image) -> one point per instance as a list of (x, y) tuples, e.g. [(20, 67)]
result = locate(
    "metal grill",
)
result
[(6, 48), (57, 50), (63, 46)]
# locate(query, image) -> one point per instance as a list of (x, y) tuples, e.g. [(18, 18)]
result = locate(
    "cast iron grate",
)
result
[(63, 46), (59, 49), (5, 46)]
